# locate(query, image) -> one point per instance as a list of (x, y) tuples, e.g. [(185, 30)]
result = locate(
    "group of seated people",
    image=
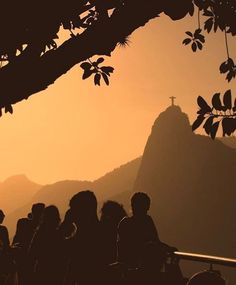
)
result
[(83, 249)]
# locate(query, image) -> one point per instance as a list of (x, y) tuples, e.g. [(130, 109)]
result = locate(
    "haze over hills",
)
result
[(15, 191), (115, 182), (189, 177)]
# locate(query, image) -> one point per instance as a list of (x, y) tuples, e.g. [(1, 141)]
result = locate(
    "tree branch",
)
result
[(27, 76)]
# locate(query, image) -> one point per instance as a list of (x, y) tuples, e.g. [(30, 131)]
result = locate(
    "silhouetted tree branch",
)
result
[(31, 59), (28, 74)]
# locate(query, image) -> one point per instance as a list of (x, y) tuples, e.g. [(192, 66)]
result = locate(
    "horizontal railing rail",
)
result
[(212, 260)]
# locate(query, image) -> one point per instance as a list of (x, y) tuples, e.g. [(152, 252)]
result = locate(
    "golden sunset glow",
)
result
[(75, 130)]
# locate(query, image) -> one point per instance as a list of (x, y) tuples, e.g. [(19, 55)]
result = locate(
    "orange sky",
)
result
[(75, 130)]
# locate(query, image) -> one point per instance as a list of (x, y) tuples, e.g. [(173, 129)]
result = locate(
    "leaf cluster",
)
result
[(196, 39), (220, 14), (222, 112), (34, 25), (99, 72), (229, 68)]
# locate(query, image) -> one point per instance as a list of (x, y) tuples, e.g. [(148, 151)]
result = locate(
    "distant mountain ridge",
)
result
[(115, 182), (189, 177), (16, 190)]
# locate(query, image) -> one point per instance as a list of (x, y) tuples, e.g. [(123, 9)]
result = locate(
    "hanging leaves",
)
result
[(197, 39), (217, 15), (222, 112), (228, 67), (102, 72)]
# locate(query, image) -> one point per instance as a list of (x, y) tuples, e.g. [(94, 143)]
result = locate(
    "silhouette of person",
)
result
[(47, 249), (136, 231), (26, 227), (6, 262), (25, 231), (86, 260), (4, 237), (68, 228), (111, 214)]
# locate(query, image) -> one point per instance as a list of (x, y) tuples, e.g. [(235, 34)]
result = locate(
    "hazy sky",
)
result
[(75, 130)]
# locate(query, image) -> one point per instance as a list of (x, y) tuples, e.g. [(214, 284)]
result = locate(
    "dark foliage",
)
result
[(222, 112), (32, 58), (99, 72), (217, 15)]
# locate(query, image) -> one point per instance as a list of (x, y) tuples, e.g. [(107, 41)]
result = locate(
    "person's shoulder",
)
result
[(149, 220)]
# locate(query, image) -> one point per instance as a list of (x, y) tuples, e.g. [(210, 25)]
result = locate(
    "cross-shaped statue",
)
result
[(172, 100)]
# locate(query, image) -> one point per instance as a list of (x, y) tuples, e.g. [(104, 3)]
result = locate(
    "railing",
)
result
[(212, 260)]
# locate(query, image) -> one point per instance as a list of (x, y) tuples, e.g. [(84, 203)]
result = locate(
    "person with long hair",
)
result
[(46, 250)]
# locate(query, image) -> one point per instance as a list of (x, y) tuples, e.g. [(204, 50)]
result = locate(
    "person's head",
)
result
[(140, 203), (206, 277), (83, 206), (51, 217), (113, 212), (2, 216), (37, 211)]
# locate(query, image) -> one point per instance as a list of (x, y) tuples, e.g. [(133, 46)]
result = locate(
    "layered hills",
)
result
[(116, 182), (189, 177), (15, 191)]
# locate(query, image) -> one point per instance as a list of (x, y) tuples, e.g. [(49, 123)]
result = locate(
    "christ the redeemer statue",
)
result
[(172, 100)]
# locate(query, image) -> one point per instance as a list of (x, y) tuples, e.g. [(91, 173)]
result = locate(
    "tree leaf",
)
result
[(105, 77), (197, 32), (208, 25), (189, 33), (227, 99), (214, 130), (197, 123), (100, 60), (187, 41), (97, 79), (194, 47), (224, 67), (229, 126), (208, 124), (201, 38), (216, 102), (203, 104), (199, 45), (230, 75), (107, 69), (86, 65), (87, 73)]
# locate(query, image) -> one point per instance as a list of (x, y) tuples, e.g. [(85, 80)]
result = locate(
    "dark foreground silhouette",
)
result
[(86, 250)]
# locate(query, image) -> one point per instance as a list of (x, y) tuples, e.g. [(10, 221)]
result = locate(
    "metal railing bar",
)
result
[(206, 258)]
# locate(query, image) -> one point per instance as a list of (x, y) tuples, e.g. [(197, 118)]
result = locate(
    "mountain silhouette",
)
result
[(116, 182), (190, 179), (229, 141), (16, 191)]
